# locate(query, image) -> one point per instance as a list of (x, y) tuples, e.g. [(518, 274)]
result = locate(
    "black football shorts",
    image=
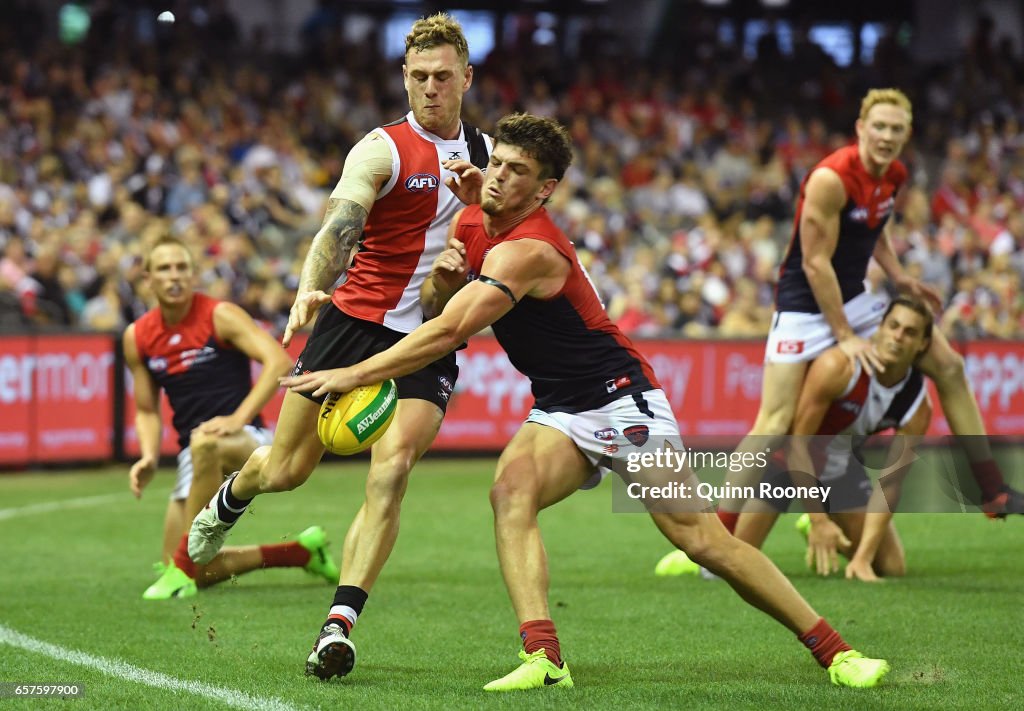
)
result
[(339, 340)]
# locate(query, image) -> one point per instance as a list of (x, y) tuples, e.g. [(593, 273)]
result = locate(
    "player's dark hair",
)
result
[(544, 140), (163, 241), (435, 31), (918, 307)]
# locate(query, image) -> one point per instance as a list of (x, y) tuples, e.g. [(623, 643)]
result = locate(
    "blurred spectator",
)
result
[(680, 198)]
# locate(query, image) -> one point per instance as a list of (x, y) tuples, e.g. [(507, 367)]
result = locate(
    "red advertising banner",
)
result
[(56, 394), (714, 388), (55, 398)]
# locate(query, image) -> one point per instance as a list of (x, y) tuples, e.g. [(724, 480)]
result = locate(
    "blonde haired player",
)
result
[(841, 223), (400, 187)]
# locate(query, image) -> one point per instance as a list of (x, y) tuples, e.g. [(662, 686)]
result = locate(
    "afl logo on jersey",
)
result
[(421, 183)]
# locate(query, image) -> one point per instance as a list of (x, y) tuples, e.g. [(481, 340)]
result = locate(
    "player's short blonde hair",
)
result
[(886, 96), (167, 240), (435, 31)]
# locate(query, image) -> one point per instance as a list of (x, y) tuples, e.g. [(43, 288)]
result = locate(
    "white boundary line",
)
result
[(50, 506), (130, 673)]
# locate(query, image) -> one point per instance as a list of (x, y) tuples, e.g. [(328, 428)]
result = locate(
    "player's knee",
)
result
[(203, 443), (696, 535), (259, 458), (388, 478), (510, 493)]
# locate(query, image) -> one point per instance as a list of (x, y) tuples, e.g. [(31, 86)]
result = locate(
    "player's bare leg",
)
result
[(373, 532), (780, 390), (755, 523), (539, 467), (281, 467), (213, 458), (174, 523), (293, 456)]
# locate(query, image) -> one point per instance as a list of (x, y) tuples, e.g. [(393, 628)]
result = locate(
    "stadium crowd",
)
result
[(680, 198)]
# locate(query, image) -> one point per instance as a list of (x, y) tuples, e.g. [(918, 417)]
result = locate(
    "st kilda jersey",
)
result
[(865, 408), (575, 357), (407, 227), (869, 203), (202, 376)]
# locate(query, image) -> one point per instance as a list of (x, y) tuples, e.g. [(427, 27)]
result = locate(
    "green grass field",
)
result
[(439, 625)]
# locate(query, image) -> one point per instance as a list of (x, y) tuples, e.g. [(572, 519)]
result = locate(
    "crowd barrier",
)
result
[(68, 397)]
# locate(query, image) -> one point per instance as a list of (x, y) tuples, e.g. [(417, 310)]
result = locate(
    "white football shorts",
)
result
[(260, 436), (798, 337), (614, 429)]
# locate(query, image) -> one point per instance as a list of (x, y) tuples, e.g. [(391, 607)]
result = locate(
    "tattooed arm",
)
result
[(367, 167), (326, 261)]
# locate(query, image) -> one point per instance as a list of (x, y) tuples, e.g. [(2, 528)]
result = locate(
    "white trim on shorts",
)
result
[(797, 337), (606, 431), (183, 482)]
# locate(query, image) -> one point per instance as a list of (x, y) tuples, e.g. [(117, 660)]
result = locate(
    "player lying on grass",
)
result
[(840, 405), (509, 267), (199, 351)]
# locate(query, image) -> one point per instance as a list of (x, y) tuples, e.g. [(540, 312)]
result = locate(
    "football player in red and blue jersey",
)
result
[(841, 222), (597, 400), (198, 350)]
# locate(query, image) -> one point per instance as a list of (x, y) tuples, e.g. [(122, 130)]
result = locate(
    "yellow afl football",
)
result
[(350, 422)]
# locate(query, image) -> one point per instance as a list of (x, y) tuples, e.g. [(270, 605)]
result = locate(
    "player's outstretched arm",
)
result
[(235, 327), (148, 425), (520, 266), (886, 494), (826, 380)]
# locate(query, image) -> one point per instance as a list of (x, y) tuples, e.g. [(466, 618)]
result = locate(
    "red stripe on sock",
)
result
[(541, 634), (824, 642), (343, 621), (182, 560), (729, 519), (284, 555)]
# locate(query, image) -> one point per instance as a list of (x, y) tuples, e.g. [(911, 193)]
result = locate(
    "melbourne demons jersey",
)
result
[(869, 202), (866, 407), (202, 377), (407, 226), (575, 357)]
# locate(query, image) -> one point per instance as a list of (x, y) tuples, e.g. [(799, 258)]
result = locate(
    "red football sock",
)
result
[(537, 634), (729, 519), (182, 560), (284, 555), (989, 478), (824, 642)]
